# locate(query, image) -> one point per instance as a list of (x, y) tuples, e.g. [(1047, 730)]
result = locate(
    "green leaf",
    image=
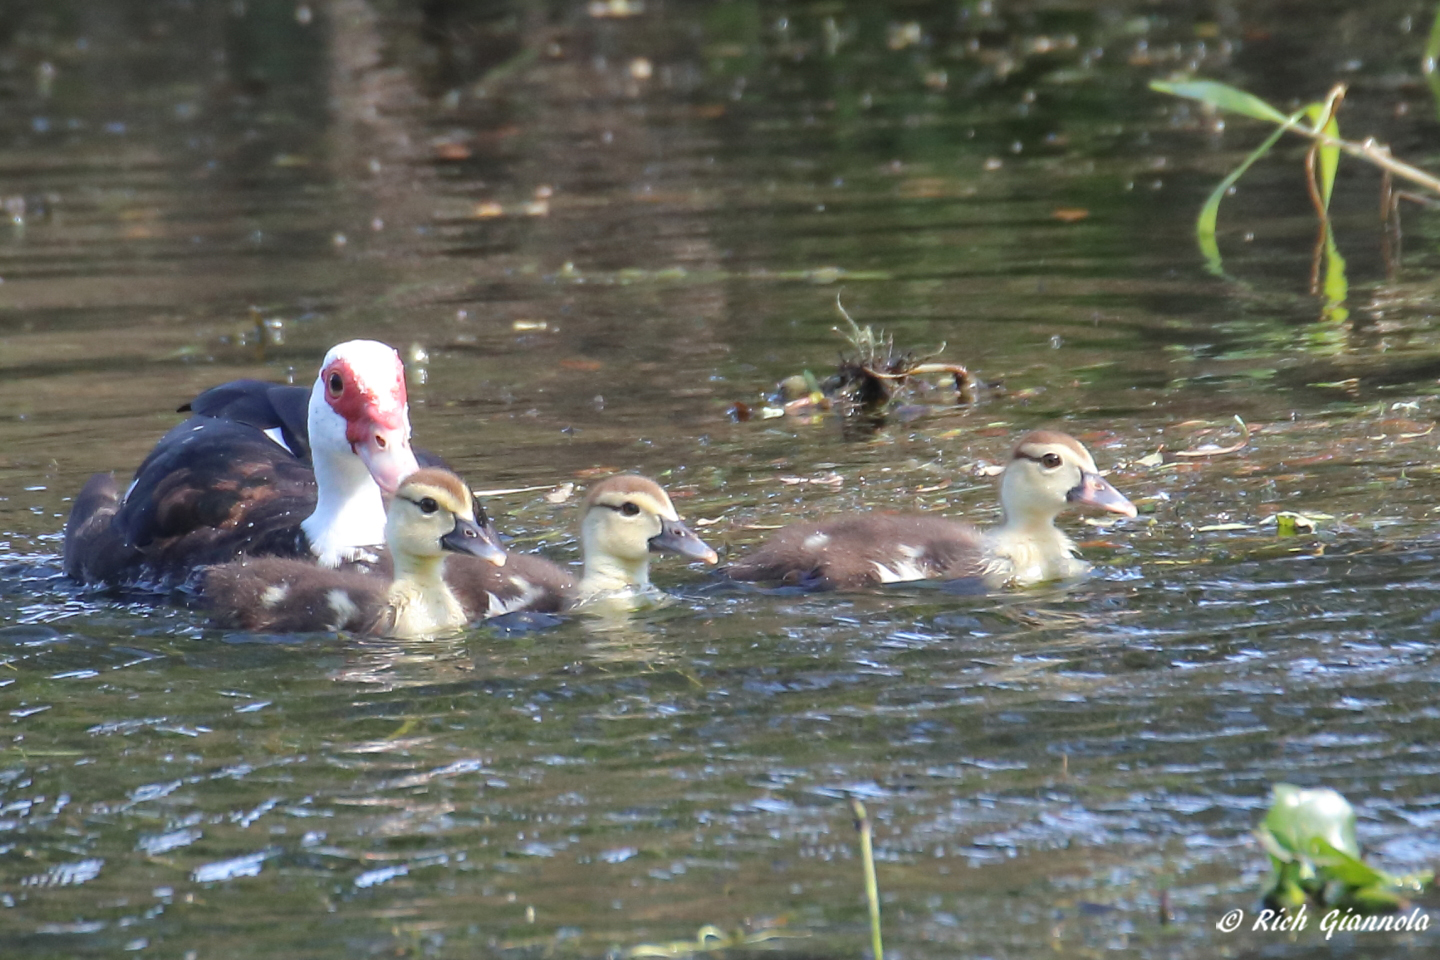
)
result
[(1336, 287), (1368, 899), (1432, 47), (1279, 855), (1339, 865), (1297, 818), (1430, 62), (1222, 97), (1329, 155), (1210, 212), (1285, 893)]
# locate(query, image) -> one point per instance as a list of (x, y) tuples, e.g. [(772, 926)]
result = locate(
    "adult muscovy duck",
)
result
[(431, 515), (1047, 472), (246, 475)]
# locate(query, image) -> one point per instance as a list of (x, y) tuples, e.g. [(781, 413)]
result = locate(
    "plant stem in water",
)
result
[(872, 888)]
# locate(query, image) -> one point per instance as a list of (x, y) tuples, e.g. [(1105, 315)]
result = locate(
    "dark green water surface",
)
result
[(592, 234)]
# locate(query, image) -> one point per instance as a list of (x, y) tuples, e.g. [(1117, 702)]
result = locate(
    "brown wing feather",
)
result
[(255, 510), (210, 491)]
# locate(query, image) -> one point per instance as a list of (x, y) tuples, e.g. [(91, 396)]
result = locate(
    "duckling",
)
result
[(1047, 471), (624, 519), (431, 514)]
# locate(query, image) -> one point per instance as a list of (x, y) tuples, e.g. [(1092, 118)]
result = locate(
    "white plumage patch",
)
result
[(527, 594), (901, 571), (358, 555), (816, 541), (343, 607), (274, 594), (274, 434)]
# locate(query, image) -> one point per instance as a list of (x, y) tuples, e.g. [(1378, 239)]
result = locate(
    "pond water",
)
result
[(592, 230)]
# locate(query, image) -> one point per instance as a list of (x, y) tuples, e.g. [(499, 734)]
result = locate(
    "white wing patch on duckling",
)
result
[(342, 606), (905, 567), (274, 594), (361, 555), (274, 434), (526, 594), (816, 541)]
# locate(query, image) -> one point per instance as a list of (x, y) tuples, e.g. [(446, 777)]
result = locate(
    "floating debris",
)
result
[(561, 493), (1291, 524), (866, 388), (710, 939), (831, 479), (1211, 450), (1161, 457), (563, 490)]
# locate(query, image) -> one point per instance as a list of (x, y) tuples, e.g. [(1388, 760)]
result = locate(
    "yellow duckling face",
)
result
[(1049, 470), (628, 518), (433, 512)]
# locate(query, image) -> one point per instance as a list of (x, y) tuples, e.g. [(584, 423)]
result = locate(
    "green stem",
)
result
[(1430, 62), (872, 888)]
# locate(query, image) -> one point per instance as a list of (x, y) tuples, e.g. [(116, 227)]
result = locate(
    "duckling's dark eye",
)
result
[(1051, 460), (427, 505), (336, 384), (629, 508)]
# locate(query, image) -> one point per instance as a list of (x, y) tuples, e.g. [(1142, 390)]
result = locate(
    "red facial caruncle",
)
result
[(361, 402), (377, 422)]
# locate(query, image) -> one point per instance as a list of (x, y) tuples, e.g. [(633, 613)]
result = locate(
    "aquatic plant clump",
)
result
[(867, 383), (865, 388), (1310, 837)]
